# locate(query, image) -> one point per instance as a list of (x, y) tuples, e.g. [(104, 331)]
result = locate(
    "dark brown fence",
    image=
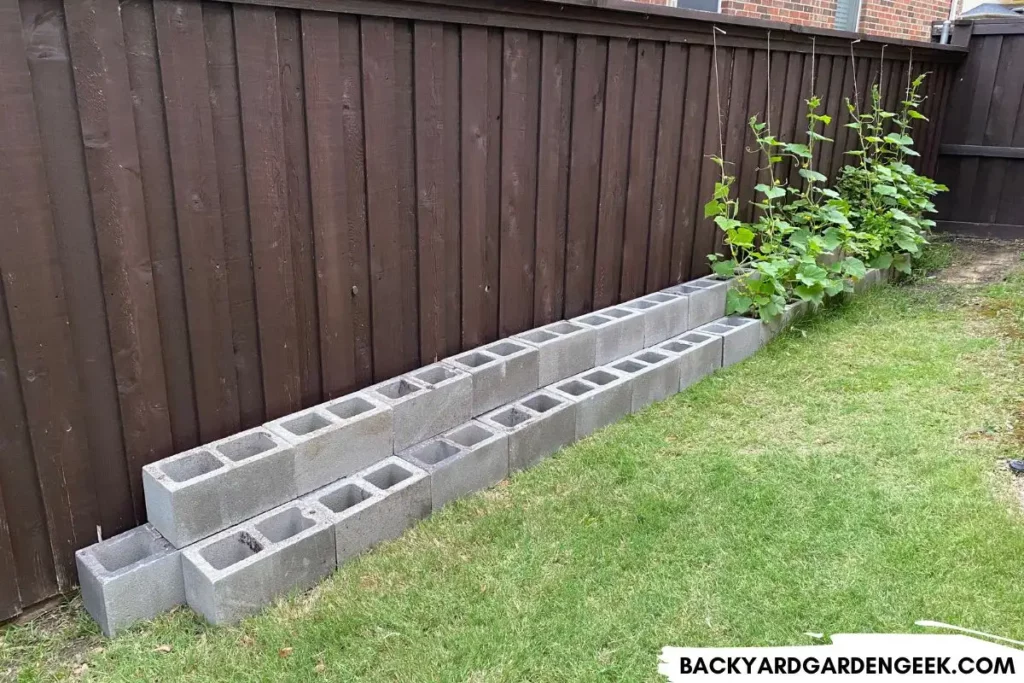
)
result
[(982, 151), (215, 213)]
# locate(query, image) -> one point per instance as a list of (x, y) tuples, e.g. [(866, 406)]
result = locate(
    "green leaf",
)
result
[(902, 263), (742, 237), (915, 114), (737, 303), (812, 175), (771, 192), (724, 268), (883, 260), (770, 311), (908, 244), (797, 149), (834, 287), (854, 124), (884, 190), (726, 223), (712, 208), (814, 294), (854, 267)]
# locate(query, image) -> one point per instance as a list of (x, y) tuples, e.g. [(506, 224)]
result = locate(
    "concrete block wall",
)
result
[(245, 520)]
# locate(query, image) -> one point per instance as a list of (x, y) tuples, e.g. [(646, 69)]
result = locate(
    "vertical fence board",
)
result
[(557, 52), (519, 126), (179, 31), (695, 103), (96, 39), (480, 153), (666, 168), (611, 210), (735, 120), (642, 154), (584, 172), (263, 141), (37, 316), (63, 157), (757, 104)]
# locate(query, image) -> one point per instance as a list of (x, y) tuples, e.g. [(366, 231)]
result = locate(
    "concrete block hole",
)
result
[(629, 366), (694, 337), (475, 360), (191, 466), (600, 377), (246, 446), (595, 320), (542, 403), (511, 417), (651, 357), (539, 336), (641, 305), (617, 312), (388, 476), (435, 375), (231, 550), (126, 551), (398, 389), (470, 435), (564, 328), (675, 347), (576, 388), (344, 497), (306, 424), (505, 348), (284, 525), (346, 410), (436, 451)]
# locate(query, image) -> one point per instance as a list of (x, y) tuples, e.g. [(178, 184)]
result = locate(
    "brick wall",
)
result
[(908, 19)]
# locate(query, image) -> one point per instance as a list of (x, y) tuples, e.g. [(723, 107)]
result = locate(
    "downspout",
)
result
[(948, 23)]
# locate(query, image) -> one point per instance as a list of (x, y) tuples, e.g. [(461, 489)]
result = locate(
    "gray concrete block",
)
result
[(336, 439), (741, 337), (194, 494), (655, 374), (239, 571), (602, 396), (872, 278), (502, 372), (620, 332), (791, 313), (537, 426), (707, 299), (565, 348), (426, 402), (699, 355), (131, 577), (405, 496), (462, 461), (350, 506), (665, 315)]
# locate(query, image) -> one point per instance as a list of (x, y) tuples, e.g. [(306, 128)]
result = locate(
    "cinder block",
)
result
[(872, 278), (336, 439), (129, 578), (537, 426), (699, 355), (502, 372), (240, 570), (707, 299), (741, 337), (426, 402), (655, 375), (602, 396), (619, 330), (197, 493), (405, 496), (665, 315), (565, 348), (792, 312), (467, 459), (350, 505)]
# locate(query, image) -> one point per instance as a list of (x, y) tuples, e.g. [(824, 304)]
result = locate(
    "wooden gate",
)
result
[(981, 156)]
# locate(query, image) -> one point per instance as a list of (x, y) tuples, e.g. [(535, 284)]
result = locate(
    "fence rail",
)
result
[(215, 213)]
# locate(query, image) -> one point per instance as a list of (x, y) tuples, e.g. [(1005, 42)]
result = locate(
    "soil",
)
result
[(979, 261)]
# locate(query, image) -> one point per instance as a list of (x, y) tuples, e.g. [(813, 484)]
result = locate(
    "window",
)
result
[(847, 15)]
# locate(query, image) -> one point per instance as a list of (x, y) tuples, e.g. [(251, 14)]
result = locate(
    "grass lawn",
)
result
[(848, 478)]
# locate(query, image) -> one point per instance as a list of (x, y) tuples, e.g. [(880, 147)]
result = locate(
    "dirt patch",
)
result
[(981, 261)]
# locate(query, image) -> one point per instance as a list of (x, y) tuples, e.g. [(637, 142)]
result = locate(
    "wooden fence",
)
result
[(215, 213), (982, 152)]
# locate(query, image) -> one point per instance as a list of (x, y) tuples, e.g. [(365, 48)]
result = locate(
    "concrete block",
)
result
[(129, 578), (426, 402), (194, 494), (405, 497), (467, 459), (502, 372), (655, 375), (602, 396), (699, 355), (707, 299), (872, 278), (741, 337), (565, 348), (665, 315), (792, 312), (619, 330), (350, 506), (239, 571), (537, 426), (336, 439)]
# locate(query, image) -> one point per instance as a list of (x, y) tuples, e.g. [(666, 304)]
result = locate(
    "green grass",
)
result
[(846, 479)]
